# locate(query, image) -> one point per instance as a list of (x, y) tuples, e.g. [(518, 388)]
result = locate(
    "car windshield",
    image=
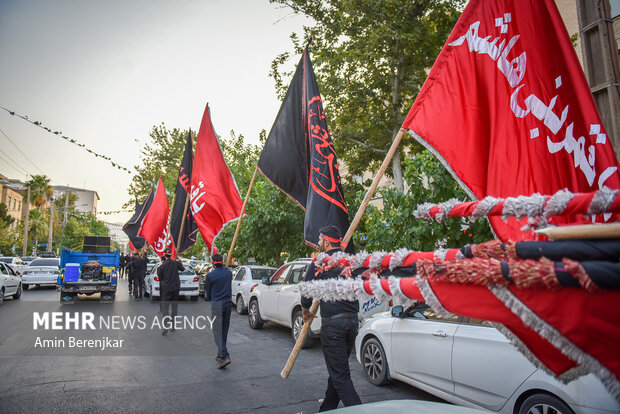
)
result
[(6, 259), (260, 274), (44, 262)]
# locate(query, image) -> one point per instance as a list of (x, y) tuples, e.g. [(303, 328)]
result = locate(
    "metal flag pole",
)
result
[(356, 221), (245, 202)]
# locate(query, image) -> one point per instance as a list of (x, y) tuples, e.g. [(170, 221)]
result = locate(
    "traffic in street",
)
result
[(155, 373)]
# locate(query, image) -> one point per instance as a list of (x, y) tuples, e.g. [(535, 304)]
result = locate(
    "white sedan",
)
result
[(189, 284), (14, 263), (10, 283), (470, 363), (41, 271), (245, 279)]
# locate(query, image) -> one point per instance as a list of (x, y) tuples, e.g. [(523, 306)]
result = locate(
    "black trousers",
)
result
[(130, 279), (337, 339), (170, 303), (138, 286), (221, 312)]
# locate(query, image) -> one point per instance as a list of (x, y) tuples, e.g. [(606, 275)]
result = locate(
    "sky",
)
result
[(105, 72)]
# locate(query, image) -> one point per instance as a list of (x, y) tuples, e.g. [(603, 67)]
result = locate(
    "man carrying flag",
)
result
[(299, 158), (183, 228)]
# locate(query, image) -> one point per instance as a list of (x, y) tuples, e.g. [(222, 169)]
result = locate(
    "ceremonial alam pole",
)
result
[(358, 217)]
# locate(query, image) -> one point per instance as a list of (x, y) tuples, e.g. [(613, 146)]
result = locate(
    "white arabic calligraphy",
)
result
[(195, 196), (514, 71)]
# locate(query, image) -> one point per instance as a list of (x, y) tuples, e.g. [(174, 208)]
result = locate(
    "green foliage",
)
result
[(5, 219), (160, 157), (40, 190), (395, 227), (370, 58)]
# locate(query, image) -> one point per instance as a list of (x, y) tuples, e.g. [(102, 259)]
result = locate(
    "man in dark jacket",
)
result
[(169, 286), (130, 271), (338, 329), (137, 272), (218, 291)]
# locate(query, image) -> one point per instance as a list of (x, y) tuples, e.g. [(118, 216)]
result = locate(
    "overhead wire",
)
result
[(21, 152)]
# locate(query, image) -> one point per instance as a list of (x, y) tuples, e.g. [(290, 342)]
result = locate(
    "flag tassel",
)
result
[(245, 202)]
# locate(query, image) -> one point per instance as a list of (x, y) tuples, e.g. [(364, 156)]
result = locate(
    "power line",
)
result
[(21, 152), (14, 164), (71, 140)]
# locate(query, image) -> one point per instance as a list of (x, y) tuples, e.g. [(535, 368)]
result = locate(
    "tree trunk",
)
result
[(397, 171)]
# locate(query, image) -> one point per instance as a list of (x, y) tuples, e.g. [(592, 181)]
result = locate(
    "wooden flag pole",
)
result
[(176, 248), (356, 221), (245, 201)]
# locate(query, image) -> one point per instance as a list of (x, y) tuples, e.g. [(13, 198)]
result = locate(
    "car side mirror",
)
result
[(265, 281), (398, 311)]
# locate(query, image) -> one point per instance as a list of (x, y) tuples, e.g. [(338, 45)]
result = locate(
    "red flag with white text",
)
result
[(214, 196), (508, 110), (155, 224)]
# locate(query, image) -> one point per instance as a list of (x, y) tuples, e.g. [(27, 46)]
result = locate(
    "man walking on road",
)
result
[(338, 329), (169, 284), (218, 291), (137, 271)]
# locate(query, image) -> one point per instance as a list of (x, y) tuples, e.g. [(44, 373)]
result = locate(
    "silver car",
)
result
[(41, 271), (468, 362), (246, 278)]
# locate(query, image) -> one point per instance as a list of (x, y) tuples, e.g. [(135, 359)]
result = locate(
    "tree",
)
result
[(5, 219), (371, 59), (161, 157), (40, 190), (394, 226), (37, 226)]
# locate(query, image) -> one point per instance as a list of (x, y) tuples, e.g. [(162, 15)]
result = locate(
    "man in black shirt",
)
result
[(169, 286), (137, 272), (338, 329)]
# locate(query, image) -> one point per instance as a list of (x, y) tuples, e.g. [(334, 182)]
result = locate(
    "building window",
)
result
[(8, 205)]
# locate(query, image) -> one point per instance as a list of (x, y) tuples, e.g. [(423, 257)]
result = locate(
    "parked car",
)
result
[(10, 282), (278, 300), (42, 271), (14, 263), (468, 362), (189, 284), (245, 279), (46, 254), (153, 260), (28, 259)]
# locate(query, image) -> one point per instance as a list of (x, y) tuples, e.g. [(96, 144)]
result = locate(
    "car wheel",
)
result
[(18, 294), (1, 296), (25, 286), (544, 403), (256, 322), (240, 305), (296, 327), (374, 362)]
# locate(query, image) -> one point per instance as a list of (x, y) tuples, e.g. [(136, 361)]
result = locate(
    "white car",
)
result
[(189, 284), (245, 279), (10, 283), (278, 300), (42, 271), (468, 362), (15, 263)]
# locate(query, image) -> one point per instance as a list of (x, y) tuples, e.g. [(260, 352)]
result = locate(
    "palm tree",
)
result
[(40, 190), (37, 226)]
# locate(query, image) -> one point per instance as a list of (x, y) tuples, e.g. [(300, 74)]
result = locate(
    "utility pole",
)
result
[(25, 248), (49, 236), (64, 220)]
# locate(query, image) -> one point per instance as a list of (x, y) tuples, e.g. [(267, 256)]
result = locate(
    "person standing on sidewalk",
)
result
[(218, 291), (338, 329), (169, 285)]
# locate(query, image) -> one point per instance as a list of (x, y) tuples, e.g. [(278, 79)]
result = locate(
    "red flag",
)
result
[(214, 198), (508, 110), (155, 224), (131, 247)]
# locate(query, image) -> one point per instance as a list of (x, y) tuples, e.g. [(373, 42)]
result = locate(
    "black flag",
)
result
[(133, 225), (299, 156), (186, 240)]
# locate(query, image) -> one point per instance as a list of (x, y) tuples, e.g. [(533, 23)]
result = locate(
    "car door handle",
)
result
[(440, 334)]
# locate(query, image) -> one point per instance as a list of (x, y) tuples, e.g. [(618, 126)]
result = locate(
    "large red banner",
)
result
[(508, 110), (155, 225), (214, 196)]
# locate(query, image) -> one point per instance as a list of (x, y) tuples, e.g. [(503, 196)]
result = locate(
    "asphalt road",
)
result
[(152, 373)]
